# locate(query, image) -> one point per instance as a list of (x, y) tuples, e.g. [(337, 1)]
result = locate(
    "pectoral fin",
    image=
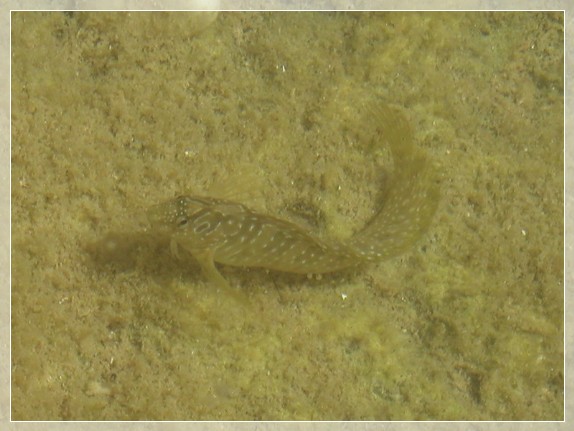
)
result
[(205, 260)]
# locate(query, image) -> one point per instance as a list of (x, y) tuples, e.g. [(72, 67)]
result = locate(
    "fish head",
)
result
[(176, 214)]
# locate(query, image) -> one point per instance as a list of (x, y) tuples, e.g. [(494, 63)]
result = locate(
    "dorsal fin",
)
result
[(244, 186)]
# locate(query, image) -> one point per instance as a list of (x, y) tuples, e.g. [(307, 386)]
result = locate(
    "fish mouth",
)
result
[(157, 216)]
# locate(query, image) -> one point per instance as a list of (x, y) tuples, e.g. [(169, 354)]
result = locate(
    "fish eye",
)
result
[(181, 221)]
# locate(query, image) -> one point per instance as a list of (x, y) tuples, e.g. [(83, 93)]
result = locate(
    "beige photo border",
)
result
[(7, 6)]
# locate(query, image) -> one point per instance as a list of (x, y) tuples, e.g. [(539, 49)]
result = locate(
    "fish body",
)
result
[(238, 236), (223, 231)]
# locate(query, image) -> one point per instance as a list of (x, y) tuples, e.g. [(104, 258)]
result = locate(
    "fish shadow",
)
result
[(147, 253), (143, 252)]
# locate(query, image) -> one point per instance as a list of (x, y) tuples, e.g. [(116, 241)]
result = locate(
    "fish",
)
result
[(219, 230)]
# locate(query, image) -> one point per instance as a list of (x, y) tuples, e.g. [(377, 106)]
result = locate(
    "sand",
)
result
[(114, 112)]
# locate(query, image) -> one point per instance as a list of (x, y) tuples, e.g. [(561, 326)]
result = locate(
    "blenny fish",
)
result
[(221, 231)]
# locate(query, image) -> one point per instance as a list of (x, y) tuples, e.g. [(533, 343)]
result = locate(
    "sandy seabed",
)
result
[(113, 112)]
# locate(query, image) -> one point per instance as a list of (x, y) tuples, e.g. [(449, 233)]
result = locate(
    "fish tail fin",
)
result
[(411, 197)]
